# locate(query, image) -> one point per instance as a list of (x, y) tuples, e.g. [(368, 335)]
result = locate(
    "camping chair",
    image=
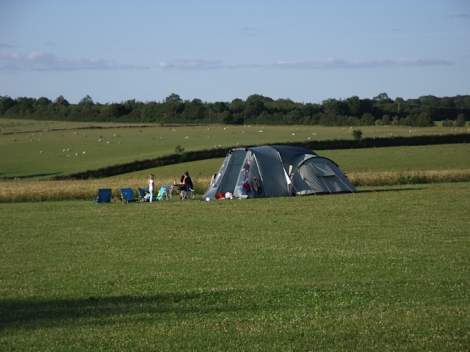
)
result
[(187, 194), (127, 195), (169, 190), (104, 195), (143, 195), (163, 193)]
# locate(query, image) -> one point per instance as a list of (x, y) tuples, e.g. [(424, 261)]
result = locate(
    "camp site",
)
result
[(258, 176)]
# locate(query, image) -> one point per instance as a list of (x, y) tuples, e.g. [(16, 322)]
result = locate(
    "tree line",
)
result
[(256, 109)]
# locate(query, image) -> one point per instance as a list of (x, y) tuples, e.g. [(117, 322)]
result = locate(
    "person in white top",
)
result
[(151, 186)]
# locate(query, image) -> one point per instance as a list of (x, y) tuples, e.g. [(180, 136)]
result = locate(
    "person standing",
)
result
[(151, 186)]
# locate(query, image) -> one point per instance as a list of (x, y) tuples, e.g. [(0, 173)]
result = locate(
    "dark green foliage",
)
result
[(179, 149), (357, 135), (447, 123), (256, 109), (460, 121)]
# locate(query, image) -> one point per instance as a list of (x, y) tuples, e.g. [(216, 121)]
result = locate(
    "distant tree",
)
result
[(357, 135), (42, 101), (24, 106), (219, 107), (194, 110), (237, 106), (429, 100), (334, 107), (385, 119), (423, 119), (447, 123), (60, 100), (382, 97), (173, 98), (367, 119), (354, 106), (86, 100), (460, 121), (179, 149), (5, 104), (400, 104), (254, 106), (116, 110)]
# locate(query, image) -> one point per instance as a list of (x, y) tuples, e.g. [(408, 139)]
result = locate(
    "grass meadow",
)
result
[(384, 269), (42, 152)]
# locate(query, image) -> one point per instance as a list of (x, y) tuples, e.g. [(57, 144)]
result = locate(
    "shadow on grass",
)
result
[(23, 313), (40, 313)]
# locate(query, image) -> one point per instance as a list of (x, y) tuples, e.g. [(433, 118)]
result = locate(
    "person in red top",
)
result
[(185, 186)]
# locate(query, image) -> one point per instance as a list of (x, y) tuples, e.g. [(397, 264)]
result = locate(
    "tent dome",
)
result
[(277, 170)]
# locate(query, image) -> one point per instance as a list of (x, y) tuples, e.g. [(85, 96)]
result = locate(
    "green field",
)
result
[(49, 153), (383, 270), (430, 157)]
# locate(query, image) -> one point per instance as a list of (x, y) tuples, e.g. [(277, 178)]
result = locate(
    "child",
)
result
[(151, 186)]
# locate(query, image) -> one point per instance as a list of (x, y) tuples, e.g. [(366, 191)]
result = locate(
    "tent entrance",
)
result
[(227, 175), (250, 180)]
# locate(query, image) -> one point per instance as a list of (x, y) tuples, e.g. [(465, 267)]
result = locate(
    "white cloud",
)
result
[(461, 15), (6, 46), (248, 31), (39, 61), (192, 64), (332, 63)]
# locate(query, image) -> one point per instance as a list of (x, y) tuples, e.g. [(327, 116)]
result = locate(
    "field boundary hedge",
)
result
[(58, 129), (221, 152)]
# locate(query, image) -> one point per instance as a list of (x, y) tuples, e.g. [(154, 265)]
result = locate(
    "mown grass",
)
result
[(61, 152), (384, 269)]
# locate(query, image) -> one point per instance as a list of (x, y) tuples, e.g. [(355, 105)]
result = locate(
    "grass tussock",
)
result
[(389, 178), (42, 190)]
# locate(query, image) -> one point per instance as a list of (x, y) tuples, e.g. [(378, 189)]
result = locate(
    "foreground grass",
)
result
[(49, 153), (384, 270)]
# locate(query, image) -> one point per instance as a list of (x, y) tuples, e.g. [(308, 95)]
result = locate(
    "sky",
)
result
[(219, 50)]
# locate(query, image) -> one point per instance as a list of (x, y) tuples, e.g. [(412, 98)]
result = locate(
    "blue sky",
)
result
[(220, 50)]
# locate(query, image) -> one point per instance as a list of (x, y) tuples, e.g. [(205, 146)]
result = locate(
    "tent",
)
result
[(274, 171)]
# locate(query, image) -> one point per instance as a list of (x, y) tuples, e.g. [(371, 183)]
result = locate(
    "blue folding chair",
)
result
[(142, 193), (127, 195), (104, 195)]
